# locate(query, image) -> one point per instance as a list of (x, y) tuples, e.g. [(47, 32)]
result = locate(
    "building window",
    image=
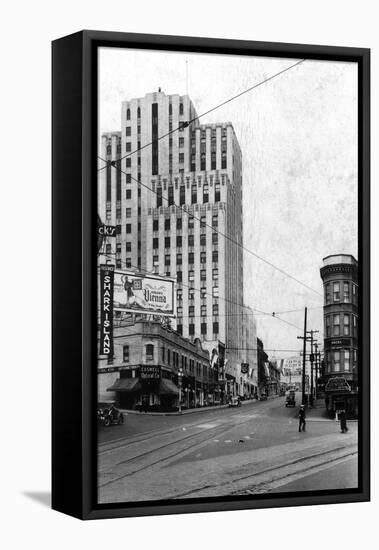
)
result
[(191, 240), (167, 259), (215, 220), (179, 329), (179, 294), (202, 161), (179, 311), (128, 194), (128, 227), (155, 242), (181, 109), (128, 179), (191, 294), (203, 311), (128, 147), (217, 192), (194, 194), (191, 222), (159, 196), (203, 239), (346, 325), (179, 223), (167, 242), (336, 292), (139, 112), (203, 222), (108, 249), (128, 212), (337, 361), (155, 261), (336, 325), (127, 114), (223, 159), (355, 326), (214, 256), (128, 246), (181, 158), (215, 291), (191, 329), (213, 161), (118, 264), (191, 311), (191, 257), (163, 354), (214, 238), (179, 241), (170, 195), (215, 327), (179, 276), (167, 224), (179, 260), (347, 360), (327, 326), (181, 142), (155, 225), (149, 352), (205, 193), (191, 275), (128, 131), (128, 262), (203, 292), (128, 162), (203, 275), (203, 257), (203, 328), (182, 195), (215, 274), (346, 293), (215, 310), (125, 354)]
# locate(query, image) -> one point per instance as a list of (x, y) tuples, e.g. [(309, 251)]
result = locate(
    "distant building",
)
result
[(149, 366), (340, 278), (263, 370)]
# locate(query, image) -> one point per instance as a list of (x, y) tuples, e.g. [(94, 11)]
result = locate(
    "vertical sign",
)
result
[(106, 309)]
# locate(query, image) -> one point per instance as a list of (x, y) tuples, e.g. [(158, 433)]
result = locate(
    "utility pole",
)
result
[(316, 368), (304, 338), (312, 332)]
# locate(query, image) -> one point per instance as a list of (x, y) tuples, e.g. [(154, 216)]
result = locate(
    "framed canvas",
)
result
[(211, 282)]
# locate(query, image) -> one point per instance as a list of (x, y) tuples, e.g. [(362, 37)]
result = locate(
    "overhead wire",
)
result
[(185, 124)]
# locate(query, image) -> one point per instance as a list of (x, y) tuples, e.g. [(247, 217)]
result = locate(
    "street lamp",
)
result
[(180, 376)]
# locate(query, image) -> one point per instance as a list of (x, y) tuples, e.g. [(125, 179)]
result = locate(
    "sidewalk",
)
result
[(319, 414), (185, 411)]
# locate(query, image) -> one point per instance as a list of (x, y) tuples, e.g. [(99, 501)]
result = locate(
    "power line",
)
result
[(221, 298), (187, 123), (204, 224)]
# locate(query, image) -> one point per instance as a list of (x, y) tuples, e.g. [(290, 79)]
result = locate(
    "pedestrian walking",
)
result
[(302, 418), (343, 423)]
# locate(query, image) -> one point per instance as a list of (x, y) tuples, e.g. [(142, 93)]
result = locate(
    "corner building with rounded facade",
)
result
[(340, 278)]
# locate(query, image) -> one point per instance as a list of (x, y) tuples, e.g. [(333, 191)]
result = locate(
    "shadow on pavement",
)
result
[(42, 497)]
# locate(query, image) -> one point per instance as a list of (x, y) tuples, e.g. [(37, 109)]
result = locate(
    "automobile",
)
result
[(291, 399), (108, 415), (263, 397), (235, 401)]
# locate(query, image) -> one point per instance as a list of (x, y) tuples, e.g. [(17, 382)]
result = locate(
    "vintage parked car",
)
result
[(107, 414), (291, 399), (235, 401)]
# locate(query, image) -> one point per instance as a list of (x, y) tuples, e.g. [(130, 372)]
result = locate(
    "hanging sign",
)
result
[(106, 309)]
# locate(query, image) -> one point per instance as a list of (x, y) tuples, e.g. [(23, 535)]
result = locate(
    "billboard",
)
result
[(142, 293)]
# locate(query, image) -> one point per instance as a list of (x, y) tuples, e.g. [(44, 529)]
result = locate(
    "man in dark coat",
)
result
[(343, 421), (302, 418)]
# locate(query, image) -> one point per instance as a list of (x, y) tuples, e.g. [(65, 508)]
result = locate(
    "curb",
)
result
[(187, 411)]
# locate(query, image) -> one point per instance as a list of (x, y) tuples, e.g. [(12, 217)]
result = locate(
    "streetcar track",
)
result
[(272, 469)]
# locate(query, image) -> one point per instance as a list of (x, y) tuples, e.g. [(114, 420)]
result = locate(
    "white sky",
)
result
[(298, 135)]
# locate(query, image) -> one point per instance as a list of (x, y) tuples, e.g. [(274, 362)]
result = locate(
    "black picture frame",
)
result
[(74, 133)]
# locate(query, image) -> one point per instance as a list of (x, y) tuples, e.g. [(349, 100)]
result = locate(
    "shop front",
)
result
[(339, 395)]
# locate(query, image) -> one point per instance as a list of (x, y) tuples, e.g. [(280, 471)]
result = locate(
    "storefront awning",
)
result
[(167, 387), (126, 385)]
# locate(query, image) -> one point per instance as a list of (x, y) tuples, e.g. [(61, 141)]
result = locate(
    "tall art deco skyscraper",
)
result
[(185, 217)]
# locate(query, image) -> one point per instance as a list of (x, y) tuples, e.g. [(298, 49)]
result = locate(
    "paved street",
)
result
[(256, 448)]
